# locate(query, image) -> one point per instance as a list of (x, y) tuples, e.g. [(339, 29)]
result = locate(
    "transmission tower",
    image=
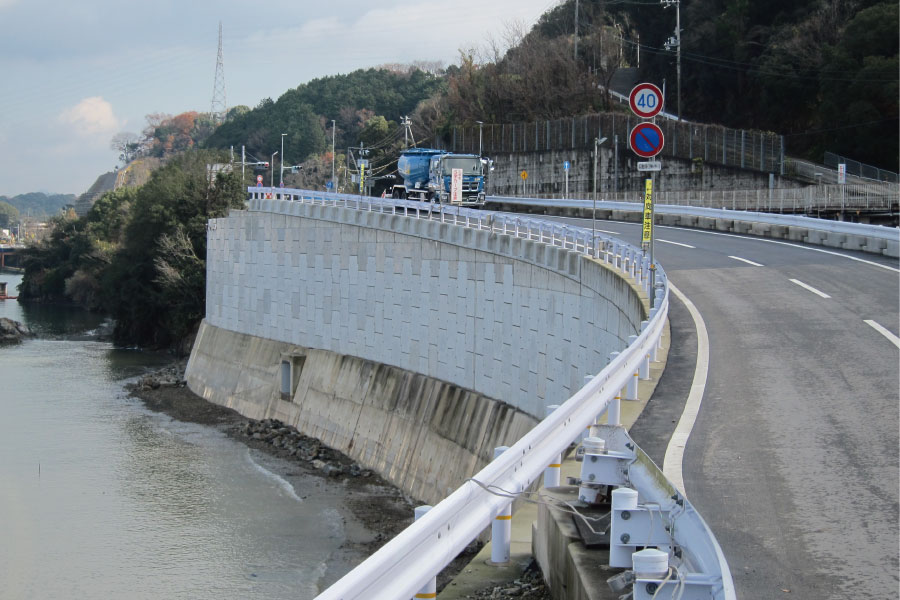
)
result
[(219, 105)]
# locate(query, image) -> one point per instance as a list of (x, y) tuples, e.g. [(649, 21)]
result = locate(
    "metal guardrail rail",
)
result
[(877, 231), (409, 562)]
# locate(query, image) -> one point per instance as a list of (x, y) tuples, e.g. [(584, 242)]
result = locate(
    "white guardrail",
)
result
[(846, 227), (407, 565)]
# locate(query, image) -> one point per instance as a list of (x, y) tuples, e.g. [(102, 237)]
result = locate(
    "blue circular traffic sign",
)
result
[(646, 139)]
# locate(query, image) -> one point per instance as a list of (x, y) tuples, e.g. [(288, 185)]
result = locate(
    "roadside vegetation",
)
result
[(139, 254)]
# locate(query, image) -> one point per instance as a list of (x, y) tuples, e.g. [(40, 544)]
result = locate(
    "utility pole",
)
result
[(575, 55), (333, 183), (243, 162), (675, 42), (272, 176), (597, 142), (480, 131), (281, 164)]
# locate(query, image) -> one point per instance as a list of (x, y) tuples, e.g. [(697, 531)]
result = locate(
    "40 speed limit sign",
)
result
[(646, 100)]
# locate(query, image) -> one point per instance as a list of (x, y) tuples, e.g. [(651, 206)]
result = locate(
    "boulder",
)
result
[(13, 332)]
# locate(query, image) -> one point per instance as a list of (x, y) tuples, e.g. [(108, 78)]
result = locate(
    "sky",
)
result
[(75, 73)]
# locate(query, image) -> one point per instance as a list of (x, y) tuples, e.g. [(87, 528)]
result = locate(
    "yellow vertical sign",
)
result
[(648, 211), (362, 177)]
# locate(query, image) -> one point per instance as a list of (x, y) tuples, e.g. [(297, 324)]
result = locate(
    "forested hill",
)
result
[(305, 112), (824, 73), (38, 204)]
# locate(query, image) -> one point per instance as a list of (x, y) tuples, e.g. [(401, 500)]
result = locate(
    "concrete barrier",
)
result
[(835, 234)]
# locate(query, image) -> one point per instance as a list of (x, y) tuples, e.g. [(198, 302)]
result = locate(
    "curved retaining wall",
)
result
[(485, 318), (423, 435)]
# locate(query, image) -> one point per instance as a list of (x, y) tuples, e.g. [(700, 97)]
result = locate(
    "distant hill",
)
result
[(305, 112), (39, 205)]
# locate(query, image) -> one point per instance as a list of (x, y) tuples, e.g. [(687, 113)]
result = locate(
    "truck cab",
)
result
[(441, 178)]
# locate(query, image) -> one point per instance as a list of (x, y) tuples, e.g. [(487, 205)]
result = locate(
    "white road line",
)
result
[(588, 220), (749, 262), (810, 288), (672, 464), (675, 243), (882, 330), (759, 239)]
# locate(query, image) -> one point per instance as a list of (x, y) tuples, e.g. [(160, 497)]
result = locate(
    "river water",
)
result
[(101, 498)]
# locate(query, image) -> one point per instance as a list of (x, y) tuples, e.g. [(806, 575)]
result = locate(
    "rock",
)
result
[(13, 332)]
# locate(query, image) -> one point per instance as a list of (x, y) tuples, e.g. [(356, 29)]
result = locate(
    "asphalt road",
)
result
[(793, 460)]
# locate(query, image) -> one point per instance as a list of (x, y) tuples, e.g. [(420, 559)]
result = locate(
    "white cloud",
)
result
[(92, 117)]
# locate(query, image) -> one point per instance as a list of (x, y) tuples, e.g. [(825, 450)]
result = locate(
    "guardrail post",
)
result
[(658, 295), (501, 528), (631, 389), (645, 364), (429, 590), (553, 470)]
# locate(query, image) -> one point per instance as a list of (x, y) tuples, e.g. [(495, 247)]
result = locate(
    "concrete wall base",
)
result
[(423, 435)]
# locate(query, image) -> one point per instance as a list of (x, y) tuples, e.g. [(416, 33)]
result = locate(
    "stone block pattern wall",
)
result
[(511, 319)]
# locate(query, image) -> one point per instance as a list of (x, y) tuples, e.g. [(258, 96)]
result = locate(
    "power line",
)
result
[(750, 68), (812, 131)]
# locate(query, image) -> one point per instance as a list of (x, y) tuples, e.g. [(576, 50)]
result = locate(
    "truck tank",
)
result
[(413, 166)]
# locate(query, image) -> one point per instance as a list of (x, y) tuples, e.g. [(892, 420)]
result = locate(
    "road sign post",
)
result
[(842, 179), (524, 176), (566, 168), (647, 140)]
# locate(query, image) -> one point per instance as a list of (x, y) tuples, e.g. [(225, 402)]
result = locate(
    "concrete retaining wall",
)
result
[(509, 318), (425, 436), (412, 346)]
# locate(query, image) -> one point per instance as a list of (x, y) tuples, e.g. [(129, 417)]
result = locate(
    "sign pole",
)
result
[(647, 230), (652, 262)]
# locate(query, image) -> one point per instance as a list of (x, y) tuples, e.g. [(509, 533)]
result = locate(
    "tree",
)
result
[(127, 144), (8, 214)]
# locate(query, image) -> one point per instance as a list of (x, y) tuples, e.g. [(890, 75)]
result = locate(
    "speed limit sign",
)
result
[(646, 100)]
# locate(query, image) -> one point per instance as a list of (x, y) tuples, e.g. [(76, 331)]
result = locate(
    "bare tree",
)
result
[(127, 144)]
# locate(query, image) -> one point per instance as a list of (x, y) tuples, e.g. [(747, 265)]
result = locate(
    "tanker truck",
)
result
[(427, 175)]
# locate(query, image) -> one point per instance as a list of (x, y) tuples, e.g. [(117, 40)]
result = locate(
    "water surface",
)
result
[(101, 498)]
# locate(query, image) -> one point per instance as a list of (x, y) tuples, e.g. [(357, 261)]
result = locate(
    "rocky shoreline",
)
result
[(374, 510)]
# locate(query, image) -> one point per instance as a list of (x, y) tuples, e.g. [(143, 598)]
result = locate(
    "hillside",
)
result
[(305, 112), (39, 205), (821, 72)]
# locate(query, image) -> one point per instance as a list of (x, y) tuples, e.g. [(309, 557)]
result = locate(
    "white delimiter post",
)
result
[(631, 389), (501, 529), (645, 364), (429, 590), (614, 411), (552, 472)]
